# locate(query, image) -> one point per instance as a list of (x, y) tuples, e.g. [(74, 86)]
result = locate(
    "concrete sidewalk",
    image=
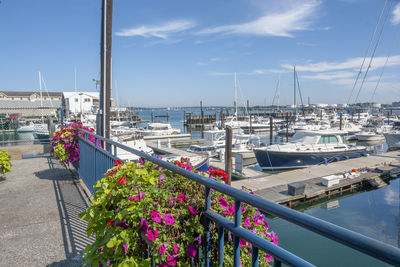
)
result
[(39, 223)]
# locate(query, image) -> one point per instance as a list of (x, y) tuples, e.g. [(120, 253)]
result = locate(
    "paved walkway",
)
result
[(39, 223)]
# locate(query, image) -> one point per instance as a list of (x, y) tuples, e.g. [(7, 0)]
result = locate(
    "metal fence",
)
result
[(95, 161)]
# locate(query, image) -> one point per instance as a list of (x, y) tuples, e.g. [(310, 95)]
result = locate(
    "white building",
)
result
[(81, 102)]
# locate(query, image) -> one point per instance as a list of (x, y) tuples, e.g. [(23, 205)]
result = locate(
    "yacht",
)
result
[(307, 148), (137, 143), (26, 128), (393, 136), (158, 129)]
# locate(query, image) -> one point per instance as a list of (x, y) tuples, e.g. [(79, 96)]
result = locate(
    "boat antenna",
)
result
[(41, 100), (373, 53), (235, 95), (47, 91), (301, 97), (75, 79)]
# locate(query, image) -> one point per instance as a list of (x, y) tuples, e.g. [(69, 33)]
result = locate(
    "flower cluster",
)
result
[(65, 142), (5, 165), (141, 210)]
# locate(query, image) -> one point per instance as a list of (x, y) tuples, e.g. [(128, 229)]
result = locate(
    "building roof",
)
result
[(72, 94), (26, 104), (29, 93)]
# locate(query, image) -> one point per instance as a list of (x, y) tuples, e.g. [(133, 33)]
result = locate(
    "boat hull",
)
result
[(275, 160), (393, 140)]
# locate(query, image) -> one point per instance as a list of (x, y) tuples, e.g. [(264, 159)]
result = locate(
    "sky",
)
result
[(178, 53)]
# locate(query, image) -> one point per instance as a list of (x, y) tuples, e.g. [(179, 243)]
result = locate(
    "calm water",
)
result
[(373, 213)]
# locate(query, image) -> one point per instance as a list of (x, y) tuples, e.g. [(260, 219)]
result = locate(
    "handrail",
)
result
[(367, 245)]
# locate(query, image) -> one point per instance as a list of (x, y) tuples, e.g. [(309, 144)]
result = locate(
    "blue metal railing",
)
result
[(95, 161)]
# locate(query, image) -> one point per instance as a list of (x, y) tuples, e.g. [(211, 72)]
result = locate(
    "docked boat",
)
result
[(393, 136), (369, 136), (307, 148), (137, 143), (41, 132), (158, 129), (26, 128)]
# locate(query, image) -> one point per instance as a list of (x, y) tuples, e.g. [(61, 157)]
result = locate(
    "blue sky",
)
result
[(176, 53)]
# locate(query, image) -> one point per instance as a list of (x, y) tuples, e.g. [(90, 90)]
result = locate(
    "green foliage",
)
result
[(141, 210), (5, 165)]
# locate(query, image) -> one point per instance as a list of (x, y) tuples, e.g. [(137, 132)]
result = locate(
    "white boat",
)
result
[(307, 148), (26, 128), (369, 136), (393, 136), (138, 144), (158, 129)]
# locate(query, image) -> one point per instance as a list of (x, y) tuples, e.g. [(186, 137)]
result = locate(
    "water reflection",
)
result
[(373, 213)]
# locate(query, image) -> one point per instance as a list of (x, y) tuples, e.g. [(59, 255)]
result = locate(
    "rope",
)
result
[(384, 66), (366, 52), (373, 54)]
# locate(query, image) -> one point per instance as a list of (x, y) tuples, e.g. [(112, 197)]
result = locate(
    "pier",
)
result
[(274, 187)]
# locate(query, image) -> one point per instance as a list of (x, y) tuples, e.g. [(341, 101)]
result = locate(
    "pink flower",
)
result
[(266, 223), (162, 248), (193, 210), (268, 257), (274, 238), (222, 202), (152, 234), (243, 210), (181, 197), (172, 260), (171, 200), (198, 239), (191, 250), (155, 216), (124, 248), (123, 224), (230, 210), (161, 178), (144, 225), (138, 197), (247, 222), (243, 242), (176, 248), (169, 219)]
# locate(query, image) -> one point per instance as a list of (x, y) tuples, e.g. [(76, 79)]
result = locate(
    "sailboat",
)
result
[(41, 130)]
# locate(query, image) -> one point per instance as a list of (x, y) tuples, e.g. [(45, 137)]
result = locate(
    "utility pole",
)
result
[(103, 122)]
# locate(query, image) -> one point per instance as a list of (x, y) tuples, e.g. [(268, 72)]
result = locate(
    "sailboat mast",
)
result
[(41, 99), (279, 87), (75, 79), (294, 90), (235, 95)]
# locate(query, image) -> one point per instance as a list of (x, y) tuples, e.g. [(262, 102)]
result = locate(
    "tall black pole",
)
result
[(103, 124), (294, 92)]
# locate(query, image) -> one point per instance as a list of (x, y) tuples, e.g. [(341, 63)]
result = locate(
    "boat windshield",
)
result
[(305, 138)]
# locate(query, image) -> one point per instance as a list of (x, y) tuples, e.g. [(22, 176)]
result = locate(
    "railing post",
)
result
[(220, 245), (254, 256), (207, 229), (236, 239)]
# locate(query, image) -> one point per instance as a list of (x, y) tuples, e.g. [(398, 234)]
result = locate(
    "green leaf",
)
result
[(112, 242)]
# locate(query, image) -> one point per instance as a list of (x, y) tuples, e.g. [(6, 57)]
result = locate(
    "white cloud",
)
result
[(352, 63), (284, 23), (396, 15), (160, 31), (330, 75)]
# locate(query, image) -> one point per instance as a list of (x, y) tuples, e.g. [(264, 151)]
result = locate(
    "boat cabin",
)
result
[(318, 137)]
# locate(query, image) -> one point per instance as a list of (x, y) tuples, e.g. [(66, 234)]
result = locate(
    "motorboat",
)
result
[(158, 129), (26, 128), (137, 143), (393, 136), (369, 136), (307, 148)]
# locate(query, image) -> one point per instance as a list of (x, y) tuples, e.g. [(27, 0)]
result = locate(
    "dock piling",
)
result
[(228, 153)]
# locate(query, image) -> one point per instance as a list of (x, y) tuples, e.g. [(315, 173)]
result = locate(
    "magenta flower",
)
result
[(169, 219), (230, 210), (274, 238), (124, 248), (222, 202), (101, 248), (268, 257), (243, 210), (176, 249), (162, 249), (198, 239), (247, 222), (138, 197), (193, 210), (191, 250), (152, 234), (161, 178), (123, 224), (144, 225), (188, 167), (242, 242), (155, 216), (181, 197), (100, 264), (171, 200), (171, 260), (266, 223), (162, 265)]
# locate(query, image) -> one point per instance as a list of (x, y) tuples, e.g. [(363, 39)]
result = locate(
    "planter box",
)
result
[(296, 188), (331, 180)]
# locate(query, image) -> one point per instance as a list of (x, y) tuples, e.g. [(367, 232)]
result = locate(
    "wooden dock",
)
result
[(274, 187)]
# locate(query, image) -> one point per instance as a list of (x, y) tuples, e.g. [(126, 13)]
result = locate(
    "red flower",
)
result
[(353, 170), (181, 197), (117, 162), (111, 223), (122, 181)]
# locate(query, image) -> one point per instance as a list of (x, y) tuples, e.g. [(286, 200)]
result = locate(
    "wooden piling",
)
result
[(228, 153)]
